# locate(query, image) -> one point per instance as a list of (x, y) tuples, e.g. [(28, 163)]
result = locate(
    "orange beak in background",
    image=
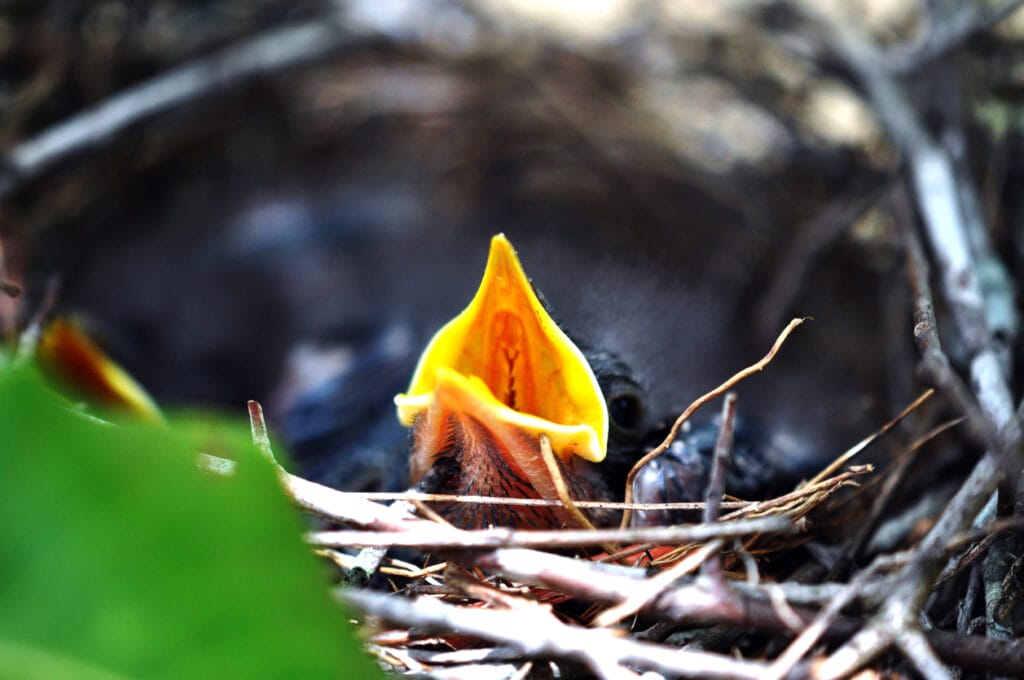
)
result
[(66, 351), (489, 384)]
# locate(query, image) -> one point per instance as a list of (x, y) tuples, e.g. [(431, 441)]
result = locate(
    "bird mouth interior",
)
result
[(504, 363)]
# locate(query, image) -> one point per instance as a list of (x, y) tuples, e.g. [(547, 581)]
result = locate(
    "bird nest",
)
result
[(750, 591)]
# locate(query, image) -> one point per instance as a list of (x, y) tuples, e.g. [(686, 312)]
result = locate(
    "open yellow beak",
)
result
[(504, 363)]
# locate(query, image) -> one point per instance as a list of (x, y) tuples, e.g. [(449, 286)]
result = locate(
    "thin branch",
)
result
[(271, 52), (870, 439), (934, 362), (28, 341), (720, 461), (431, 536), (558, 480), (685, 415), (947, 33), (641, 595), (414, 496), (260, 436), (721, 456), (892, 479), (538, 633), (822, 622)]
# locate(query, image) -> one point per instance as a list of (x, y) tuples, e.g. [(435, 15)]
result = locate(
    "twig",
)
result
[(260, 437), (691, 605), (694, 605), (812, 633), (801, 495), (641, 595), (687, 604), (946, 33), (685, 415), (892, 480), (268, 53), (870, 439), (712, 567), (933, 181), (720, 462), (965, 608), (368, 561), (934, 362), (28, 341), (431, 536), (558, 480), (414, 496), (539, 634)]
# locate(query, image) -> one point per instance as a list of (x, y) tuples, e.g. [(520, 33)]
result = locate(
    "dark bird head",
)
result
[(490, 384)]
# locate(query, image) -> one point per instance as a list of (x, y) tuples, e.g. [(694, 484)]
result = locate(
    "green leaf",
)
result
[(119, 557)]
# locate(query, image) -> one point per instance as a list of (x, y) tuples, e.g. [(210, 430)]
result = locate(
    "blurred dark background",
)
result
[(679, 179)]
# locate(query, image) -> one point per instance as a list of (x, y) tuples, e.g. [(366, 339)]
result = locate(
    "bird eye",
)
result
[(626, 411), (622, 393)]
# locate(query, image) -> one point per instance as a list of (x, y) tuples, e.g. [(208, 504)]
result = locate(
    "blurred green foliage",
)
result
[(119, 557)]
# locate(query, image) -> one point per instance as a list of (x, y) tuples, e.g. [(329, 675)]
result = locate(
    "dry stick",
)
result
[(685, 415), (540, 634), (812, 633), (947, 33), (870, 439), (992, 397), (803, 492), (891, 482), (270, 52), (690, 605), (414, 496), (934, 185), (966, 605), (640, 596), (389, 523), (907, 597), (428, 535), (720, 462), (792, 503), (934, 362), (258, 425), (548, 456), (695, 605), (345, 561), (712, 568), (558, 479), (28, 341), (368, 561)]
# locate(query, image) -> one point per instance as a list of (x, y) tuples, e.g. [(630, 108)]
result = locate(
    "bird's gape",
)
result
[(490, 384)]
